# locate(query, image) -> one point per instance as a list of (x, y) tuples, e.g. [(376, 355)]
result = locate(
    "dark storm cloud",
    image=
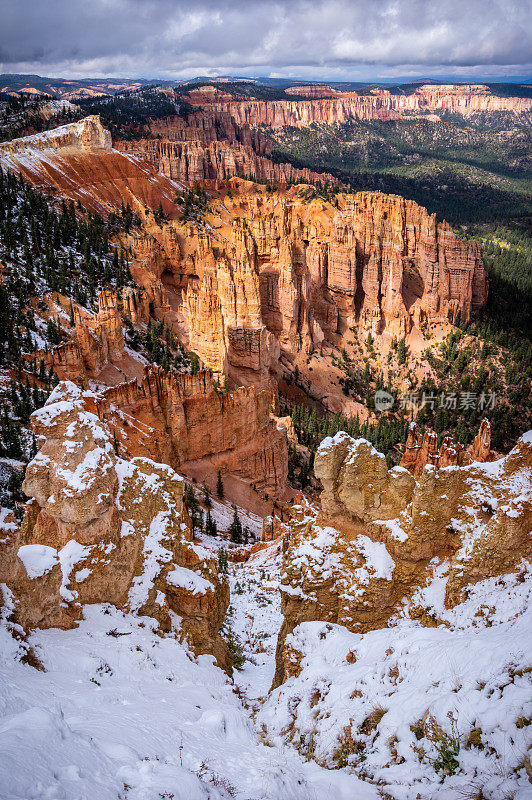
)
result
[(295, 37)]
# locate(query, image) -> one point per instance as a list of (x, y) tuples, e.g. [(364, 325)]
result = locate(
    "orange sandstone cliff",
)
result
[(331, 107), (272, 274), (259, 280), (422, 449), (78, 159)]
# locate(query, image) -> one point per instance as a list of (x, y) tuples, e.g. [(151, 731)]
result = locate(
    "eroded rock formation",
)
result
[(381, 537), (79, 160), (100, 528), (211, 147), (276, 275), (329, 106), (265, 275), (98, 339), (422, 449)]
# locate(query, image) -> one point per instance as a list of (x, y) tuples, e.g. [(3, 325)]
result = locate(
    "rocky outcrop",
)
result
[(382, 539), (88, 135), (102, 529), (78, 159), (422, 449), (209, 146), (98, 338), (273, 274)]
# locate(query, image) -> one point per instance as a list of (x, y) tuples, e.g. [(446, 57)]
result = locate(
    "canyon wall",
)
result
[(79, 160), (333, 107), (275, 274), (174, 417), (190, 162), (210, 146), (182, 419), (261, 275)]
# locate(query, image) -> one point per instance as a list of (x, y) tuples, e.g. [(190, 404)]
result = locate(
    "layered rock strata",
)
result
[(331, 107), (79, 160), (182, 419), (102, 529), (276, 275), (210, 147), (262, 276)]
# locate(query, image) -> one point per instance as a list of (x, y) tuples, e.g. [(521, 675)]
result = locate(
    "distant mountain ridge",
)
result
[(77, 88)]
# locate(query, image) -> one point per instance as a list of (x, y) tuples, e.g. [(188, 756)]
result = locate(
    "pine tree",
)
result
[(222, 560), (194, 363), (401, 351), (235, 529), (219, 486), (211, 529), (191, 504)]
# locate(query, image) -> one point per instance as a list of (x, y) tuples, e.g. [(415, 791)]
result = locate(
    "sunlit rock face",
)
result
[(272, 274), (422, 449), (331, 107), (263, 275)]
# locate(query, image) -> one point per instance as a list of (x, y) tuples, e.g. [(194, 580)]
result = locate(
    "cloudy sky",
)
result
[(313, 39)]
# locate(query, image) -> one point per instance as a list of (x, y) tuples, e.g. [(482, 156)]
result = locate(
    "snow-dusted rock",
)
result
[(380, 534), (103, 529)]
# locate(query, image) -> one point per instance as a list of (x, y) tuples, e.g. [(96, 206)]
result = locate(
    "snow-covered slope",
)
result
[(254, 616), (124, 714), (438, 713), (79, 160)]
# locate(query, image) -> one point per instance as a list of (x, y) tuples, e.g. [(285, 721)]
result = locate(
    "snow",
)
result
[(6, 526), (378, 560), (154, 556), (122, 713), (395, 529), (188, 579), (125, 711), (222, 514), (353, 445), (69, 555), (472, 672), (255, 617), (38, 559), (332, 441)]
